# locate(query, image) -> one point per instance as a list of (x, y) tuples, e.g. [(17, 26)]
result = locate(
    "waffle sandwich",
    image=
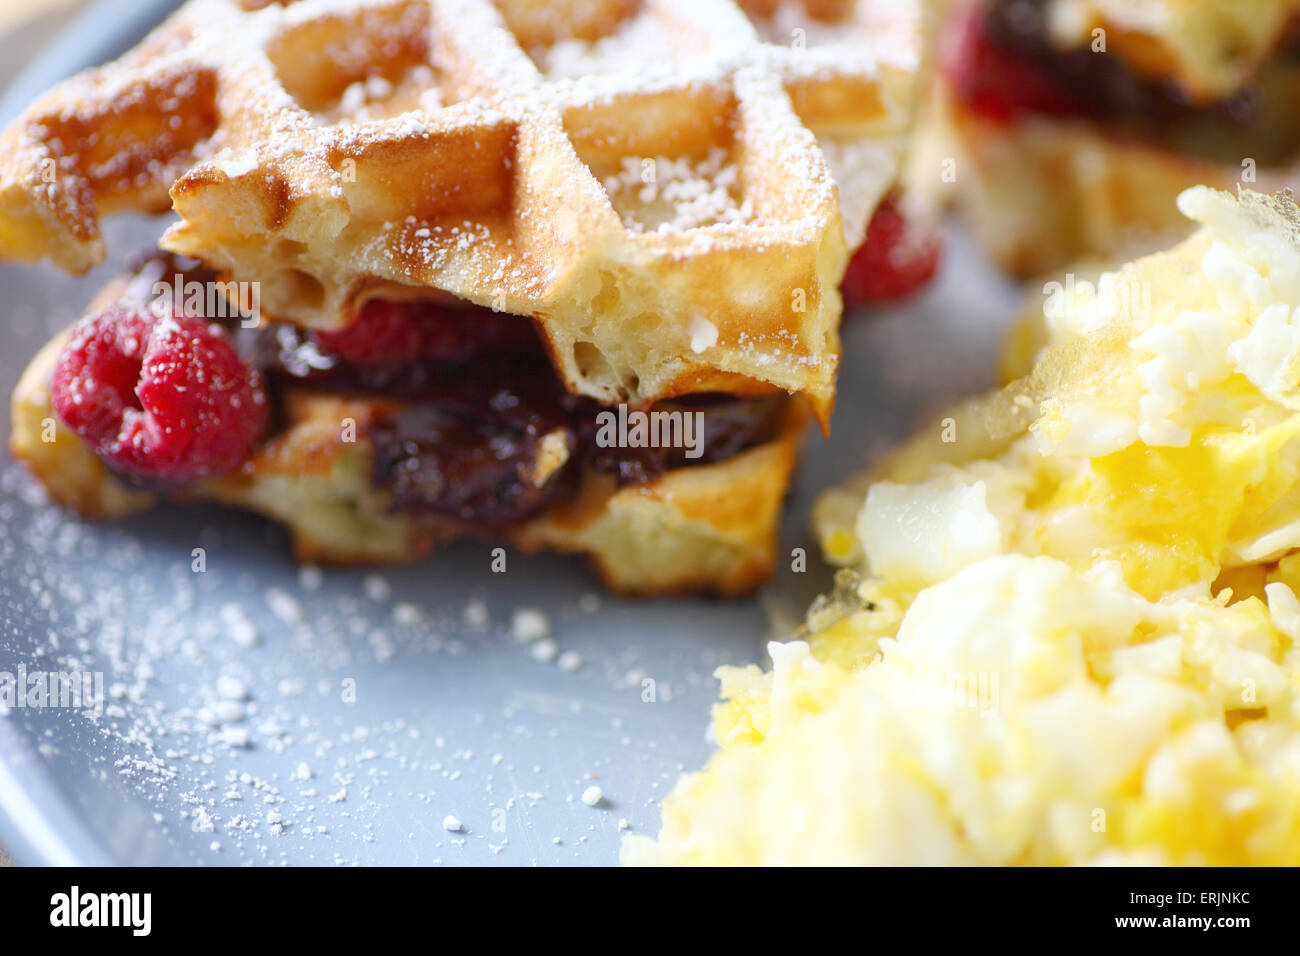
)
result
[(1071, 126), (459, 245)]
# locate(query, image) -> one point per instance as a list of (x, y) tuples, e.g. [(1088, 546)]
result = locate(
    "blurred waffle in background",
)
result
[(1062, 129)]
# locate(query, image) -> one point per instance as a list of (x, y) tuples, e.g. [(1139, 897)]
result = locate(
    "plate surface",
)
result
[(379, 704)]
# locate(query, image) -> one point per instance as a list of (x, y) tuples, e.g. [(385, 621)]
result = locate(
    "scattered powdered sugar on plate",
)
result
[(529, 624), (267, 713)]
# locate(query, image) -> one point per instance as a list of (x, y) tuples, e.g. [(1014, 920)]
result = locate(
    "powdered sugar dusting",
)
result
[(854, 165), (637, 44), (331, 733), (672, 195)]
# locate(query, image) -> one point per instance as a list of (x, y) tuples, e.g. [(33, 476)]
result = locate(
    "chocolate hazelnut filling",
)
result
[(484, 434), (1259, 121)]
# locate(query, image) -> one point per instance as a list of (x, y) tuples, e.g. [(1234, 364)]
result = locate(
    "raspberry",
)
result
[(897, 258), (399, 332), (996, 82), (163, 400)]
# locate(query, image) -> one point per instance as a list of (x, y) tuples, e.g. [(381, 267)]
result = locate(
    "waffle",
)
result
[(704, 528), (1041, 194), (1042, 191), (641, 176), (1208, 48)]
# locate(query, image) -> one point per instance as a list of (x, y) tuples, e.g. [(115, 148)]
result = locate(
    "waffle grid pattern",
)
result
[(331, 149)]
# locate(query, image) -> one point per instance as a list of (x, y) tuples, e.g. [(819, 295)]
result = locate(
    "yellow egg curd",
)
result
[(1066, 630)]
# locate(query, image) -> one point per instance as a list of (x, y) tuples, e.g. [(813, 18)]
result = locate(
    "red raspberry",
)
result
[(159, 399), (896, 259), (386, 332), (995, 82)]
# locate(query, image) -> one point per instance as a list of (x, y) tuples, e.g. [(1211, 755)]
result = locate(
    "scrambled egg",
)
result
[(1069, 633)]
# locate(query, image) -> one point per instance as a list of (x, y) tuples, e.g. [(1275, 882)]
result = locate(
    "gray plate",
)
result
[(367, 726)]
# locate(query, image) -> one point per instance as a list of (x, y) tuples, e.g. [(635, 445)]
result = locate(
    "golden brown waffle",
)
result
[(1042, 193), (1208, 48), (704, 528), (642, 176)]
